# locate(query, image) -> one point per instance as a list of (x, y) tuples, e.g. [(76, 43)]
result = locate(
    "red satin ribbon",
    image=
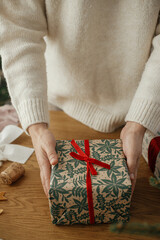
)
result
[(85, 157), (153, 150)]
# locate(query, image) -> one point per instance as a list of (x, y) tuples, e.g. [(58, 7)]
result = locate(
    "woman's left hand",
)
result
[(132, 137)]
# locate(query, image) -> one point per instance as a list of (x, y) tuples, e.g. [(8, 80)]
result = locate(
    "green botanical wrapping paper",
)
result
[(111, 188)]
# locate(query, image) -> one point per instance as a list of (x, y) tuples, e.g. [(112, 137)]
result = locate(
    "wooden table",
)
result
[(26, 214)]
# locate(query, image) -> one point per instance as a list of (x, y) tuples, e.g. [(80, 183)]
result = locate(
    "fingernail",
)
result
[(53, 161), (132, 176)]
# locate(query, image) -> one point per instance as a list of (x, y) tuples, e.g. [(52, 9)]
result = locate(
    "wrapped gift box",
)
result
[(70, 199), (151, 151)]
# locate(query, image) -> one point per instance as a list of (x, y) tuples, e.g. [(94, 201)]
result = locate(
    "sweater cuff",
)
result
[(33, 111), (145, 112)]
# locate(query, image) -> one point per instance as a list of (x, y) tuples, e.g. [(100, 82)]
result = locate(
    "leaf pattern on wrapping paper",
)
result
[(69, 168), (119, 212), (77, 162), (57, 189), (55, 211), (84, 216), (100, 217), (113, 169), (125, 166), (71, 216), (127, 195), (57, 185), (108, 157), (57, 172), (80, 205), (79, 180), (80, 170), (79, 191), (114, 184), (96, 155), (104, 146), (109, 146), (101, 201), (61, 149)]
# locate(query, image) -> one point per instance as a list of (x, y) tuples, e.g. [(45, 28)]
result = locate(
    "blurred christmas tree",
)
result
[(4, 95)]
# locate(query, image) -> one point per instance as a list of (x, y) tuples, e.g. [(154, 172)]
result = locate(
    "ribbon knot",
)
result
[(85, 156)]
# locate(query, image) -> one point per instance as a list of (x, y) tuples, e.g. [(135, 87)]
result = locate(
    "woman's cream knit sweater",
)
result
[(98, 60)]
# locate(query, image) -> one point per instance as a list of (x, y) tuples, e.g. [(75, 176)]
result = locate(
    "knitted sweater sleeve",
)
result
[(145, 106), (22, 46)]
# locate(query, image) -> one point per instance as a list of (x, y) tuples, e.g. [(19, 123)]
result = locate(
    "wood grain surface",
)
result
[(26, 213)]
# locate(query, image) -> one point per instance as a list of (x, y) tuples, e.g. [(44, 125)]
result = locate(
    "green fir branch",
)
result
[(136, 228), (154, 182)]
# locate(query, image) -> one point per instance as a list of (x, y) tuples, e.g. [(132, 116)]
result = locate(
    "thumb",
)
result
[(52, 156), (132, 163)]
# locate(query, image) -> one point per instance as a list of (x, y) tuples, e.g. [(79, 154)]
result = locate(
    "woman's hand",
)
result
[(132, 137), (44, 144)]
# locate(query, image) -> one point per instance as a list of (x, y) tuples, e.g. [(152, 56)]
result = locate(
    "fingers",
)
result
[(132, 163), (132, 137), (44, 144), (48, 157), (45, 172), (52, 155), (52, 159), (134, 182)]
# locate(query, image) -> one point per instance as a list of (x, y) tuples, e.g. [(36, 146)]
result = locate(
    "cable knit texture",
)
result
[(98, 61)]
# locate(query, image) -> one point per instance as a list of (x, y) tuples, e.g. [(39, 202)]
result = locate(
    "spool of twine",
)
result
[(12, 173)]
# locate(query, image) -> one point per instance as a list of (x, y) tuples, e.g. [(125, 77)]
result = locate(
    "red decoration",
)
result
[(85, 157), (153, 150)]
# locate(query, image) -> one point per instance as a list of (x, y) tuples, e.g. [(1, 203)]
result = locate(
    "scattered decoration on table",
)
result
[(13, 152), (2, 197), (1, 210), (154, 182), (136, 228), (12, 173)]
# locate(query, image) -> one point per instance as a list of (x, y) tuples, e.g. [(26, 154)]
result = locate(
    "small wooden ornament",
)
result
[(2, 197), (1, 210), (12, 173)]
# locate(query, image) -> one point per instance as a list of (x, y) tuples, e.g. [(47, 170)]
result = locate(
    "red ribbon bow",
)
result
[(85, 157), (153, 150)]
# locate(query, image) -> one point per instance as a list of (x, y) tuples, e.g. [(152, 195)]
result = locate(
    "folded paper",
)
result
[(13, 152)]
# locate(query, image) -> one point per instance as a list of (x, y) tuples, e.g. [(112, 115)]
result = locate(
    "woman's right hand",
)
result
[(44, 144)]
